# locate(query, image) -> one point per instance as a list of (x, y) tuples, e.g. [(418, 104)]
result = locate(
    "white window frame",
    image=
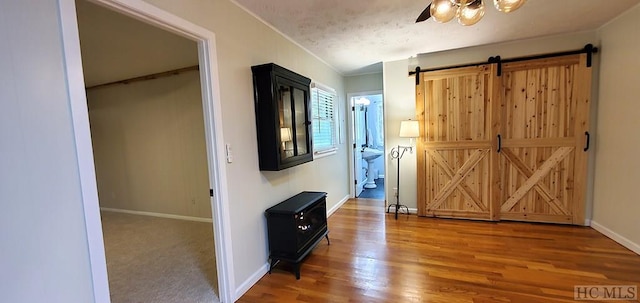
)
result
[(330, 150)]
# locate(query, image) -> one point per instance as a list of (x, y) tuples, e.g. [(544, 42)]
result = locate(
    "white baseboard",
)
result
[(587, 222), (380, 176), (337, 206), (253, 279), (413, 210), (635, 247), (160, 215)]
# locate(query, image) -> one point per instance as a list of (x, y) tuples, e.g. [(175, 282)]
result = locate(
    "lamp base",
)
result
[(398, 207)]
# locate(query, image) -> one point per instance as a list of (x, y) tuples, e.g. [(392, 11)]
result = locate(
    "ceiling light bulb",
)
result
[(507, 6), (471, 13), (443, 10)]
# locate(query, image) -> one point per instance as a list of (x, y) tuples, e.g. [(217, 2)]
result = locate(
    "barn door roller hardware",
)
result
[(588, 49)]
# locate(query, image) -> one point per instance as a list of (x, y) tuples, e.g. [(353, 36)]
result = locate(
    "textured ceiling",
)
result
[(354, 36)]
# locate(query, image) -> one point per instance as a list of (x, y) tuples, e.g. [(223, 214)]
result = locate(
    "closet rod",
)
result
[(588, 49), (148, 77)]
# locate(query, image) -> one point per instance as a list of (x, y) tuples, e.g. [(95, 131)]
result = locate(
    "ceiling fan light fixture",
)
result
[(443, 10), (471, 13), (507, 6), (468, 12)]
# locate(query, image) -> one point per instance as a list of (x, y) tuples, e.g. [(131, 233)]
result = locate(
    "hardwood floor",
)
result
[(374, 258)]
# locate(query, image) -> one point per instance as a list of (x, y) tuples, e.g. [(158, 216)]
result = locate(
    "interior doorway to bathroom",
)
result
[(367, 124)]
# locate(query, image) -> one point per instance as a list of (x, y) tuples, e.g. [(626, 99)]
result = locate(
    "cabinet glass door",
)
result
[(287, 149), (300, 121), (293, 117)]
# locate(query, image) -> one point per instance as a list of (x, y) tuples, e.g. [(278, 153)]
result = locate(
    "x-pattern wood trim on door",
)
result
[(533, 177), (457, 179), (455, 150), (537, 111)]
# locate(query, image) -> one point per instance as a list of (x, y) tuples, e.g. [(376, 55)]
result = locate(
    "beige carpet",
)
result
[(159, 260)]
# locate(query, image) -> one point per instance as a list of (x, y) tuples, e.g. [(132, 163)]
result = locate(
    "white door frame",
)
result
[(212, 109), (352, 139)]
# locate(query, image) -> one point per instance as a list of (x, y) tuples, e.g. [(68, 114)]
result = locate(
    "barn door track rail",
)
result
[(588, 49)]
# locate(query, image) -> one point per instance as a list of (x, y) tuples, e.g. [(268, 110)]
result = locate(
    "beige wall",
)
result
[(243, 41), (400, 90), (113, 43), (149, 146), (616, 203)]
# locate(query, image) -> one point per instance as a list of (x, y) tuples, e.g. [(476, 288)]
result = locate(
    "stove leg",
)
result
[(274, 262)]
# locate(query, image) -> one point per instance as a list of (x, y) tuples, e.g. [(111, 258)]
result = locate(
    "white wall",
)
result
[(44, 255), (399, 104), (363, 83), (400, 92), (149, 146), (616, 210), (243, 41)]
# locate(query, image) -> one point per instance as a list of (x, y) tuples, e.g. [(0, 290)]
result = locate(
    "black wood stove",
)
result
[(295, 227)]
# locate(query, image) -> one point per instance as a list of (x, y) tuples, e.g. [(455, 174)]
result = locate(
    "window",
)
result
[(323, 115)]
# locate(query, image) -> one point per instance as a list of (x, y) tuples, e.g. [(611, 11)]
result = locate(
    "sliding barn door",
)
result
[(543, 160), (508, 147), (455, 157)]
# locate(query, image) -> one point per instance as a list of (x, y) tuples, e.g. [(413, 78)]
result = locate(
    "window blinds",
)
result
[(323, 118)]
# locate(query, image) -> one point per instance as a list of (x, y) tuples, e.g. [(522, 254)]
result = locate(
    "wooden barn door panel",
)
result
[(454, 150), (542, 164), (539, 109)]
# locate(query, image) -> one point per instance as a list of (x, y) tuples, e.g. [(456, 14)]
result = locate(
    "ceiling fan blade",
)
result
[(426, 14)]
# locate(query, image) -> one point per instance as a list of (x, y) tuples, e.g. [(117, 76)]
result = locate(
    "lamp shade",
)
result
[(409, 129), (285, 134)]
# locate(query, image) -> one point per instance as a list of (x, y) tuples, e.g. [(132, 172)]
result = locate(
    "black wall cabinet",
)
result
[(283, 117)]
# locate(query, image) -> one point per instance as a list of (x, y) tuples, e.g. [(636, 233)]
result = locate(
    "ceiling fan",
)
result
[(469, 12)]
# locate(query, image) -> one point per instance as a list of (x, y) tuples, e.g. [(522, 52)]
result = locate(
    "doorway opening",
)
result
[(211, 111), (368, 141), (150, 155)]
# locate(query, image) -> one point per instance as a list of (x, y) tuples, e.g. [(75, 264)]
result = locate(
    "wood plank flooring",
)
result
[(374, 258)]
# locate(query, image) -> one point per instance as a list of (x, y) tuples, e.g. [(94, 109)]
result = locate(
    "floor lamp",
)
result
[(408, 129)]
